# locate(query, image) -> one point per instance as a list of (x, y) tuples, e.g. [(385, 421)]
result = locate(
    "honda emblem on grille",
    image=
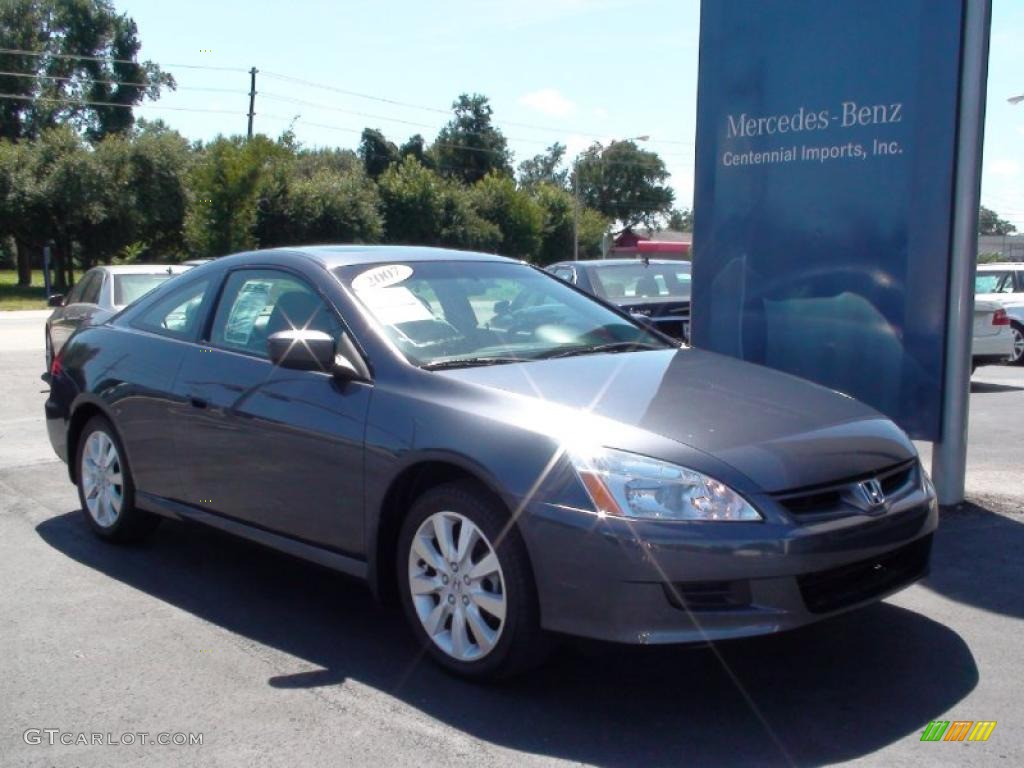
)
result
[(872, 494)]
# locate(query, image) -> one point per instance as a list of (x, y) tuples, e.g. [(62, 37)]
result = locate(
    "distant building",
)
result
[(1009, 247), (637, 243)]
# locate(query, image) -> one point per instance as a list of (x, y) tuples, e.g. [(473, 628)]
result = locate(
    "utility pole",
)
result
[(252, 97), (576, 209)]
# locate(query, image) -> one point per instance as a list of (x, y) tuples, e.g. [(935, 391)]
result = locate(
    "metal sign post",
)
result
[(949, 457)]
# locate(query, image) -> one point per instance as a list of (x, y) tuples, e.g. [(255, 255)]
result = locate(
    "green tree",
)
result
[(469, 147), (224, 183), (376, 152), (56, 191), (625, 183), (327, 207), (90, 54), (423, 208), (558, 230), (989, 223), (545, 168), (680, 220), (416, 146), (518, 217)]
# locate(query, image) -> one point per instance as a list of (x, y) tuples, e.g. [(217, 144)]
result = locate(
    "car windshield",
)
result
[(464, 313), (643, 281), (128, 288)]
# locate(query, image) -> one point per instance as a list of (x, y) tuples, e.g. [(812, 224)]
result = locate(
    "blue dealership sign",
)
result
[(826, 148)]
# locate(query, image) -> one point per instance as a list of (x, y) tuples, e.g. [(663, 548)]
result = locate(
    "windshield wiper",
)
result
[(470, 362), (614, 346)]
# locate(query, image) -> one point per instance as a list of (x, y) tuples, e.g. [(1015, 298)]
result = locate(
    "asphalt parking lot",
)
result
[(276, 662)]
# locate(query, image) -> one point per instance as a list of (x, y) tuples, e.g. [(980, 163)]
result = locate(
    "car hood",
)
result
[(780, 431)]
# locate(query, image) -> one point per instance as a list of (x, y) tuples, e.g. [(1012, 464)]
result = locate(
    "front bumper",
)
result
[(651, 582)]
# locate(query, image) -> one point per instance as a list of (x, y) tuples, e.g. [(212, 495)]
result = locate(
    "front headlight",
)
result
[(630, 485)]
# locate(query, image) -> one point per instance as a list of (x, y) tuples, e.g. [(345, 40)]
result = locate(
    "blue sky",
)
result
[(555, 70)]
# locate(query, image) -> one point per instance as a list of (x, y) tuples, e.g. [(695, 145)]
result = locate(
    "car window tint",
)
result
[(178, 313), (128, 288), (990, 282), (641, 281), (75, 295), (256, 304), (565, 274), (91, 290)]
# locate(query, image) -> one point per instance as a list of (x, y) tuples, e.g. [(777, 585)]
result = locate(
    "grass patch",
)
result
[(13, 296)]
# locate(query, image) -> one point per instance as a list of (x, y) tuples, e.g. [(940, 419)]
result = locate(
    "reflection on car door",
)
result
[(279, 449)]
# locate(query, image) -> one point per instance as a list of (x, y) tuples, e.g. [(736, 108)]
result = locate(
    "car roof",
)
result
[(619, 262), (143, 269), (332, 256)]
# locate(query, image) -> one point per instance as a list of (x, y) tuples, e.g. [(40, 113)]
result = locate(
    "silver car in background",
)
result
[(101, 292), (1004, 282)]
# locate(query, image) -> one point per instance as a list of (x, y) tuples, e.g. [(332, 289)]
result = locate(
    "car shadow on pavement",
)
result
[(828, 693), (988, 387), (977, 559)]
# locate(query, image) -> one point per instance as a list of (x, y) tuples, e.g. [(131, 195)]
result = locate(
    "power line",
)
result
[(447, 112), (111, 59), (347, 92), (119, 82), (87, 103)]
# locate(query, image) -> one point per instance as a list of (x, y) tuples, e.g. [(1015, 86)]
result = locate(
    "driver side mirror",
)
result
[(55, 300), (308, 350)]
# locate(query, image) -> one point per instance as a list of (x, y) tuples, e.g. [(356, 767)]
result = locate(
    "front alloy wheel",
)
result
[(466, 583), (457, 586)]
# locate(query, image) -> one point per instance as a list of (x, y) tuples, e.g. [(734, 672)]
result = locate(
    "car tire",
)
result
[(105, 487), (1017, 355), (482, 623)]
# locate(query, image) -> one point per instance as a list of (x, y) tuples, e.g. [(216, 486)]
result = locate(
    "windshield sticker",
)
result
[(392, 306), (250, 303), (381, 277)]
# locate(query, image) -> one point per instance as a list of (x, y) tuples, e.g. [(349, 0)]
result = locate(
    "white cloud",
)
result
[(1001, 166), (601, 113), (548, 101)]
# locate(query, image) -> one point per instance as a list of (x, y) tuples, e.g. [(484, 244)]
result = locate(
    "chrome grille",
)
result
[(839, 499)]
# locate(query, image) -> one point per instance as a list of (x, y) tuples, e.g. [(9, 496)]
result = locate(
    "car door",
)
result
[(276, 448), (150, 405)]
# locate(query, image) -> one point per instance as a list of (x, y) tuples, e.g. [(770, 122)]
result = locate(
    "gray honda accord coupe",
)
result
[(507, 471)]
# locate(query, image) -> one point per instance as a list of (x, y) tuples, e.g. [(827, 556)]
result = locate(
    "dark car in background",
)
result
[(655, 289), (101, 292), (375, 410)]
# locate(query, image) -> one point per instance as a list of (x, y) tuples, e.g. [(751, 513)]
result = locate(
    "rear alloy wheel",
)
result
[(1017, 354), (466, 584), (105, 486)]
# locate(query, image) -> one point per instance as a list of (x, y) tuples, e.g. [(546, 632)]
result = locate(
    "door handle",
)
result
[(197, 402)]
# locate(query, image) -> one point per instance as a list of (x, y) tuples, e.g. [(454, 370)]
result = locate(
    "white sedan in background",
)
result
[(993, 340)]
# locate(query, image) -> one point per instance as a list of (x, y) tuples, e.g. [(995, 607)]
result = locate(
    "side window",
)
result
[(91, 290), (177, 314), (257, 303), (1020, 281), (566, 274), (75, 294), (78, 292)]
